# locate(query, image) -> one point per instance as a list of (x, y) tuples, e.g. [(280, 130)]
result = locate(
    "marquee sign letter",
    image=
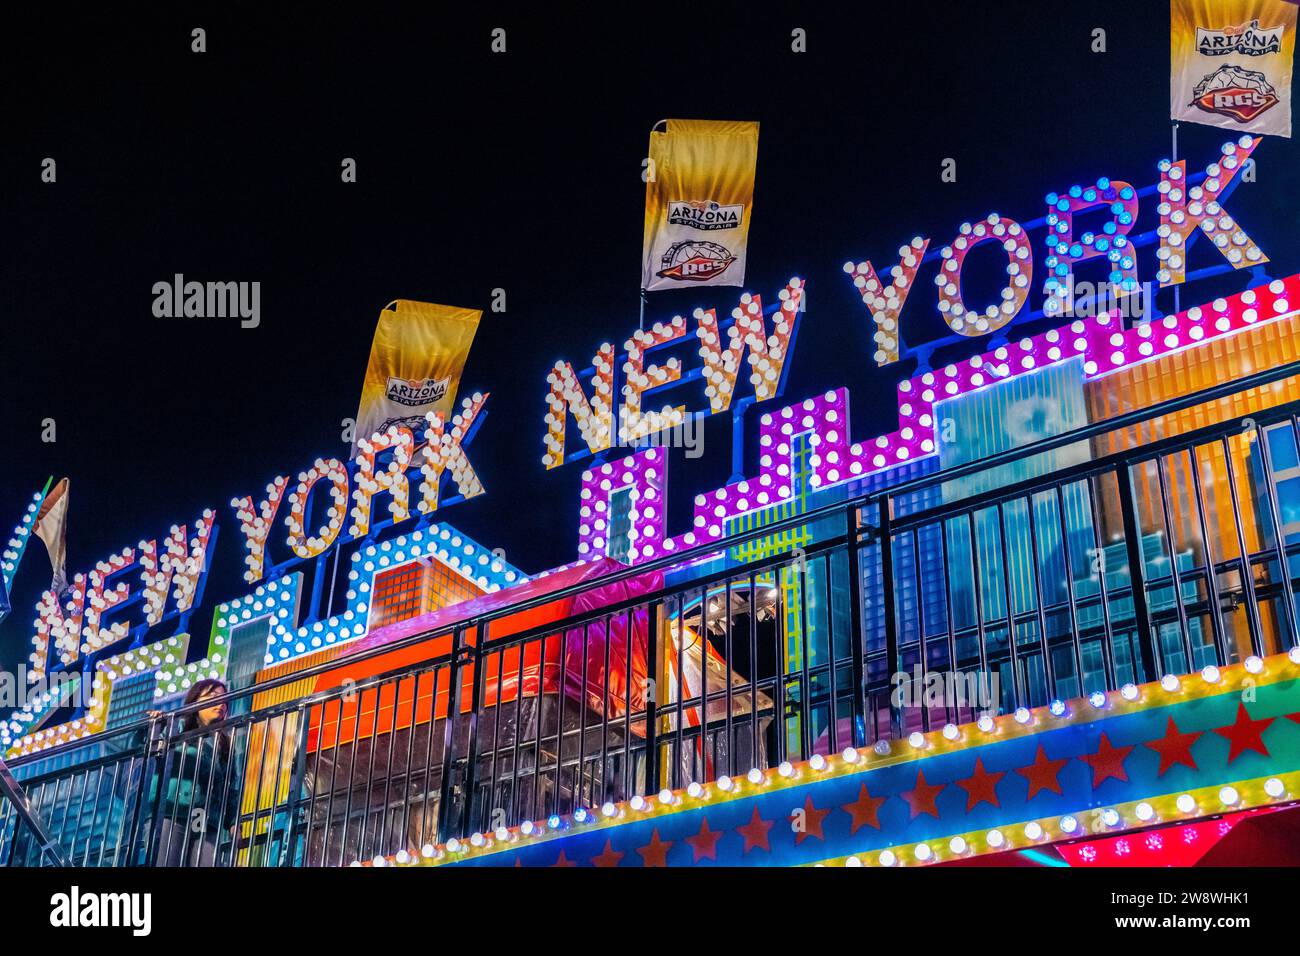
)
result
[(1020, 269), (1182, 210), (595, 419)]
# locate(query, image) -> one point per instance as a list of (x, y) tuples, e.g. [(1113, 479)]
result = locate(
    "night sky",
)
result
[(518, 171)]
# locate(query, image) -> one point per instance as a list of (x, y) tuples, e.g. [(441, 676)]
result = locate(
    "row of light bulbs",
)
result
[(851, 760)]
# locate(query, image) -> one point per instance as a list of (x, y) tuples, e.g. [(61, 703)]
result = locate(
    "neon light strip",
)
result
[(22, 722), (170, 650), (13, 554), (1212, 681), (1117, 819)]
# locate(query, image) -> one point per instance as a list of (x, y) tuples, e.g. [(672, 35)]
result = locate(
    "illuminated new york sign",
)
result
[(1098, 341), (1184, 209), (757, 342)]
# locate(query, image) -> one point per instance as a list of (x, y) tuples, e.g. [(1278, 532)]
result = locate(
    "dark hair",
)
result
[(190, 720)]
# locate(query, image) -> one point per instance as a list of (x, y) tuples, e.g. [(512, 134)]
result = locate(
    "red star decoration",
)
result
[(608, 856), (705, 843), (563, 861), (655, 852), (981, 786), (755, 832), (921, 797), (812, 821), (1245, 734), (1295, 716), (1108, 761), (863, 810), (1042, 773), (1175, 747)]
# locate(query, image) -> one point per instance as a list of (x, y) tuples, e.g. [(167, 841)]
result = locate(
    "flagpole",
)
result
[(1173, 159), (640, 322)]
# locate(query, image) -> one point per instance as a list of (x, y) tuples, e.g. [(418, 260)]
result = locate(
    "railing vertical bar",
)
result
[(477, 696), (833, 663), (628, 697), (274, 798), (1279, 535), (516, 801), (449, 735), (1217, 626), (730, 694), (1018, 680), (163, 771), (293, 798), (951, 710), (780, 639), (857, 639), (753, 662), (494, 773), (434, 673), (679, 745), (654, 631), (922, 647), (121, 819), (886, 533), (1175, 577), (334, 774), (385, 839), (81, 812), (1244, 555), (1076, 639), (1099, 562), (604, 710), (1136, 573), (408, 779), (561, 704), (977, 579), (1036, 569), (367, 845), (805, 661), (352, 775)]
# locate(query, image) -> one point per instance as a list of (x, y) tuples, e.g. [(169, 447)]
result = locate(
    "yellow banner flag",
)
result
[(416, 360), (698, 199), (1230, 63)]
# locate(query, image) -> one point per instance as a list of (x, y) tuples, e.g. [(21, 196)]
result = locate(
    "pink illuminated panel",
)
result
[(644, 474)]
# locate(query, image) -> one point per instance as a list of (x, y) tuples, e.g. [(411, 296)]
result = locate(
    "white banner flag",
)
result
[(699, 194), (1230, 63)]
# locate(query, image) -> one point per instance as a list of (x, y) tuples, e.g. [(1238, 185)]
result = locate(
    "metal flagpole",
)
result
[(1174, 158)]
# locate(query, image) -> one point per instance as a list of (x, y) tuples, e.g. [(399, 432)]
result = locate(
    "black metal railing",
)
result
[(1017, 579), (19, 823)]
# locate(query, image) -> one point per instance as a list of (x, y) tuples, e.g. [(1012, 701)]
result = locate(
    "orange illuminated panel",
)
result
[(1180, 373), (416, 588), (398, 593), (445, 587)]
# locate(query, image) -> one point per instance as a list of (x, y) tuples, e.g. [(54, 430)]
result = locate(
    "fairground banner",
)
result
[(1230, 63), (699, 194), (416, 359)]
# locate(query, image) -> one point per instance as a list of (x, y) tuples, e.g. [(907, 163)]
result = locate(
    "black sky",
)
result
[(478, 171)]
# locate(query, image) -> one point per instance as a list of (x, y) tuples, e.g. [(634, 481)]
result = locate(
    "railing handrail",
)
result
[(698, 552)]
